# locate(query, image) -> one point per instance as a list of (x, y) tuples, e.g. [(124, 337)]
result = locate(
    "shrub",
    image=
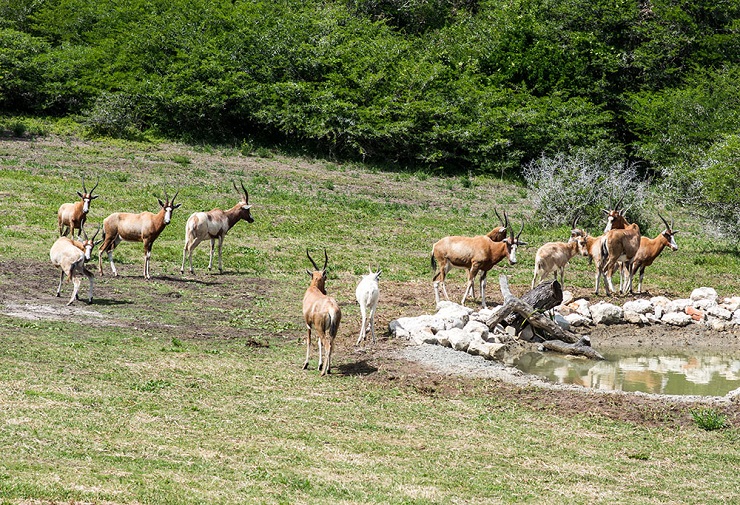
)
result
[(565, 185), (114, 115)]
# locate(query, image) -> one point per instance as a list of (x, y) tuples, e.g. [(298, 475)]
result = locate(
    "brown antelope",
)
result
[(591, 248), (213, 224), (72, 216), (144, 227), (620, 245), (650, 248), (475, 254), (70, 256), (322, 313)]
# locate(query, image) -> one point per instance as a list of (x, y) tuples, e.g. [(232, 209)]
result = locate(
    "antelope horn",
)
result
[(83, 185), (96, 185), (84, 235), (575, 220), (166, 198), (326, 261), (96, 233), (315, 266), (520, 231), (665, 222), (506, 220), (619, 203), (246, 193), (499, 217)]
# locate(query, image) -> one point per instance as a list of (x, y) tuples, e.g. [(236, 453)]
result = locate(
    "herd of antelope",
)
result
[(620, 247)]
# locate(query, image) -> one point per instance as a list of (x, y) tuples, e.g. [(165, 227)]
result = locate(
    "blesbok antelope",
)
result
[(367, 294), (552, 258), (650, 248), (321, 313), (70, 256), (213, 224), (72, 216), (475, 254), (591, 248), (143, 227), (620, 245)]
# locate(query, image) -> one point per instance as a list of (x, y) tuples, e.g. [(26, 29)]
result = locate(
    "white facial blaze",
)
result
[(167, 215), (608, 224), (88, 251), (674, 246), (85, 205), (512, 254)]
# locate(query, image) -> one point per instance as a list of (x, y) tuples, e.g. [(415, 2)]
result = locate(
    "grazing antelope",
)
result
[(552, 258), (69, 256), (322, 313), (367, 295), (214, 224), (650, 248), (144, 227), (475, 254), (72, 216)]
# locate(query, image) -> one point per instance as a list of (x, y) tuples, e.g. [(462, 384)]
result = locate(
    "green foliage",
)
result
[(709, 419), (442, 85)]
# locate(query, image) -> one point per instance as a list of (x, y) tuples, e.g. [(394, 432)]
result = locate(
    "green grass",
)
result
[(138, 408)]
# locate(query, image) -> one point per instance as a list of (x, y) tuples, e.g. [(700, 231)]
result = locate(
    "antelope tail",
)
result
[(332, 325)]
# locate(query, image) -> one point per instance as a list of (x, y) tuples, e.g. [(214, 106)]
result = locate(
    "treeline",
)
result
[(451, 85)]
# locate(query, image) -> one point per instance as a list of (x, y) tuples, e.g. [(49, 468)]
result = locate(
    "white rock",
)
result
[(485, 349), (403, 326), (704, 294), (633, 317), (736, 317), (640, 306), (477, 328), (661, 301), (561, 321), (576, 319), (732, 303), (677, 318), (583, 307), (484, 314), (422, 336), (718, 324), (567, 298), (719, 312), (459, 339), (704, 304), (606, 313), (652, 318), (455, 322), (450, 310), (679, 305), (659, 311)]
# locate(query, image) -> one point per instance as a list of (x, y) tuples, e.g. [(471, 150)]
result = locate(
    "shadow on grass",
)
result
[(357, 368), (107, 302), (184, 280)]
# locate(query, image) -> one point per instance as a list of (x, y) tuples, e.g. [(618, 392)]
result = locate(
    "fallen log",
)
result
[(570, 343)]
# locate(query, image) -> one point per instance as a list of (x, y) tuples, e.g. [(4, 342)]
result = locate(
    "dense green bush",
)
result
[(451, 85)]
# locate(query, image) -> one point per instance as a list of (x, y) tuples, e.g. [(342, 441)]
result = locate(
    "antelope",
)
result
[(214, 224), (475, 254), (322, 313), (552, 258), (591, 247), (72, 216), (650, 248), (143, 227), (367, 294), (70, 256), (620, 245)]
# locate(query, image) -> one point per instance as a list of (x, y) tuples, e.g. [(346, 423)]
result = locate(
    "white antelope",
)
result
[(552, 258), (213, 225), (650, 249), (367, 294), (475, 254), (72, 216), (144, 227), (321, 313), (69, 256)]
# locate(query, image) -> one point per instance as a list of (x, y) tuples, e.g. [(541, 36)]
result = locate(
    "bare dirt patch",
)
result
[(210, 307)]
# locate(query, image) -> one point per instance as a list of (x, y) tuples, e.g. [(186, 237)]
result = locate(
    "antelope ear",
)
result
[(310, 274), (97, 242), (377, 276), (93, 197), (80, 195), (161, 203), (675, 231), (521, 243), (176, 206), (246, 207)]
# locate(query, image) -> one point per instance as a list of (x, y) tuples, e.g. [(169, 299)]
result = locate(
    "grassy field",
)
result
[(188, 389)]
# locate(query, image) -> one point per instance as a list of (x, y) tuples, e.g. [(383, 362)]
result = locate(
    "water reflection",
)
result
[(674, 373)]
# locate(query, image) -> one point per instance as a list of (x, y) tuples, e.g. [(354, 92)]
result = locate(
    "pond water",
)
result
[(709, 373)]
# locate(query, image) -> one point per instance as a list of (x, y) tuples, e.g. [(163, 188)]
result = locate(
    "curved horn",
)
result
[(83, 185), (520, 231), (499, 217), (96, 185), (575, 220), (315, 266), (326, 260), (96, 233), (84, 235), (246, 193), (664, 222), (173, 198), (619, 203), (166, 198)]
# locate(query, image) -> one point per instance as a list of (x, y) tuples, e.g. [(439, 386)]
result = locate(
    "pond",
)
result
[(705, 373)]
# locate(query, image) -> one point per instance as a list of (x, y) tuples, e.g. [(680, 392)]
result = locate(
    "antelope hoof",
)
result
[(305, 365)]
